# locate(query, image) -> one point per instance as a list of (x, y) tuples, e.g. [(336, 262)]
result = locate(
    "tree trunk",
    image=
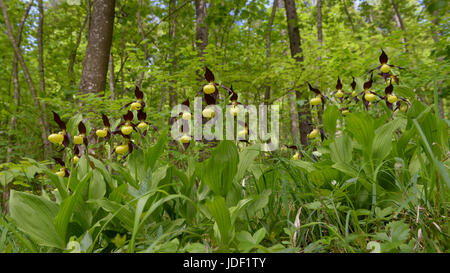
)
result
[(143, 36), (398, 19), (95, 67), (348, 16), (294, 119), (73, 54), (320, 39), (319, 22), (172, 32), (16, 78), (304, 115), (201, 28), (111, 76), (268, 46), (41, 47), (43, 117)]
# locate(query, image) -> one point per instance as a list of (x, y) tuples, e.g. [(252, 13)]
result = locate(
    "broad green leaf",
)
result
[(66, 209), (34, 215), (97, 187), (330, 116), (219, 170), (222, 218)]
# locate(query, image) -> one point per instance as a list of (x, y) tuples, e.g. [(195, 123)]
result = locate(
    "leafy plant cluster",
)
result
[(374, 184)]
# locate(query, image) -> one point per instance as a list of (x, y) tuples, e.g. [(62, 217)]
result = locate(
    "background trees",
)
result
[(162, 46)]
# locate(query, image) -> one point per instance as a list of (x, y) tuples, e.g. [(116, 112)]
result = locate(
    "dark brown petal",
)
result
[(128, 116), (338, 84), (138, 93), (81, 128), (383, 57), (186, 145), (322, 134), (209, 76), (315, 90), (66, 140), (186, 102), (368, 84), (76, 151), (58, 120), (59, 161), (353, 84), (390, 105), (210, 99), (105, 121), (389, 88), (141, 115)]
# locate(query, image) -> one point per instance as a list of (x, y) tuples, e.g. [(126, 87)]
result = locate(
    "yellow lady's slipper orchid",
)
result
[(126, 129), (122, 149), (209, 88), (101, 133)]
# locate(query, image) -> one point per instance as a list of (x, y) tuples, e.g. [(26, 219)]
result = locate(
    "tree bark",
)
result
[(348, 16), (143, 36), (172, 33), (304, 115), (268, 46), (43, 117), (201, 28), (95, 67), (319, 22), (320, 39), (111, 76), (41, 47), (399, 20), (73, 54), (16, 77)]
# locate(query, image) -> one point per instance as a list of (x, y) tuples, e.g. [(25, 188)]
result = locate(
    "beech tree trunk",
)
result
[(268, 46), (201, 35), (41, 47), (399, 20), (319, 22), (143, 36), (304, 115), (348, 16), (172, 33), (73, 54), (95, 67)]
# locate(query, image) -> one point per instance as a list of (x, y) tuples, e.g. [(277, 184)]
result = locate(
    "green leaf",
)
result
[(330, 116), (222, 217), (220, 169), (66, 209), (246, 159), (361, 126), (97, 187), (341, 149), (34, 215), (382, 144)]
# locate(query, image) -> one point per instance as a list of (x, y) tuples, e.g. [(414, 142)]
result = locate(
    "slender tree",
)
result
[(201, 33), (304, 115), (96, 60), (268, 45), (399, 20), (172, 37)]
